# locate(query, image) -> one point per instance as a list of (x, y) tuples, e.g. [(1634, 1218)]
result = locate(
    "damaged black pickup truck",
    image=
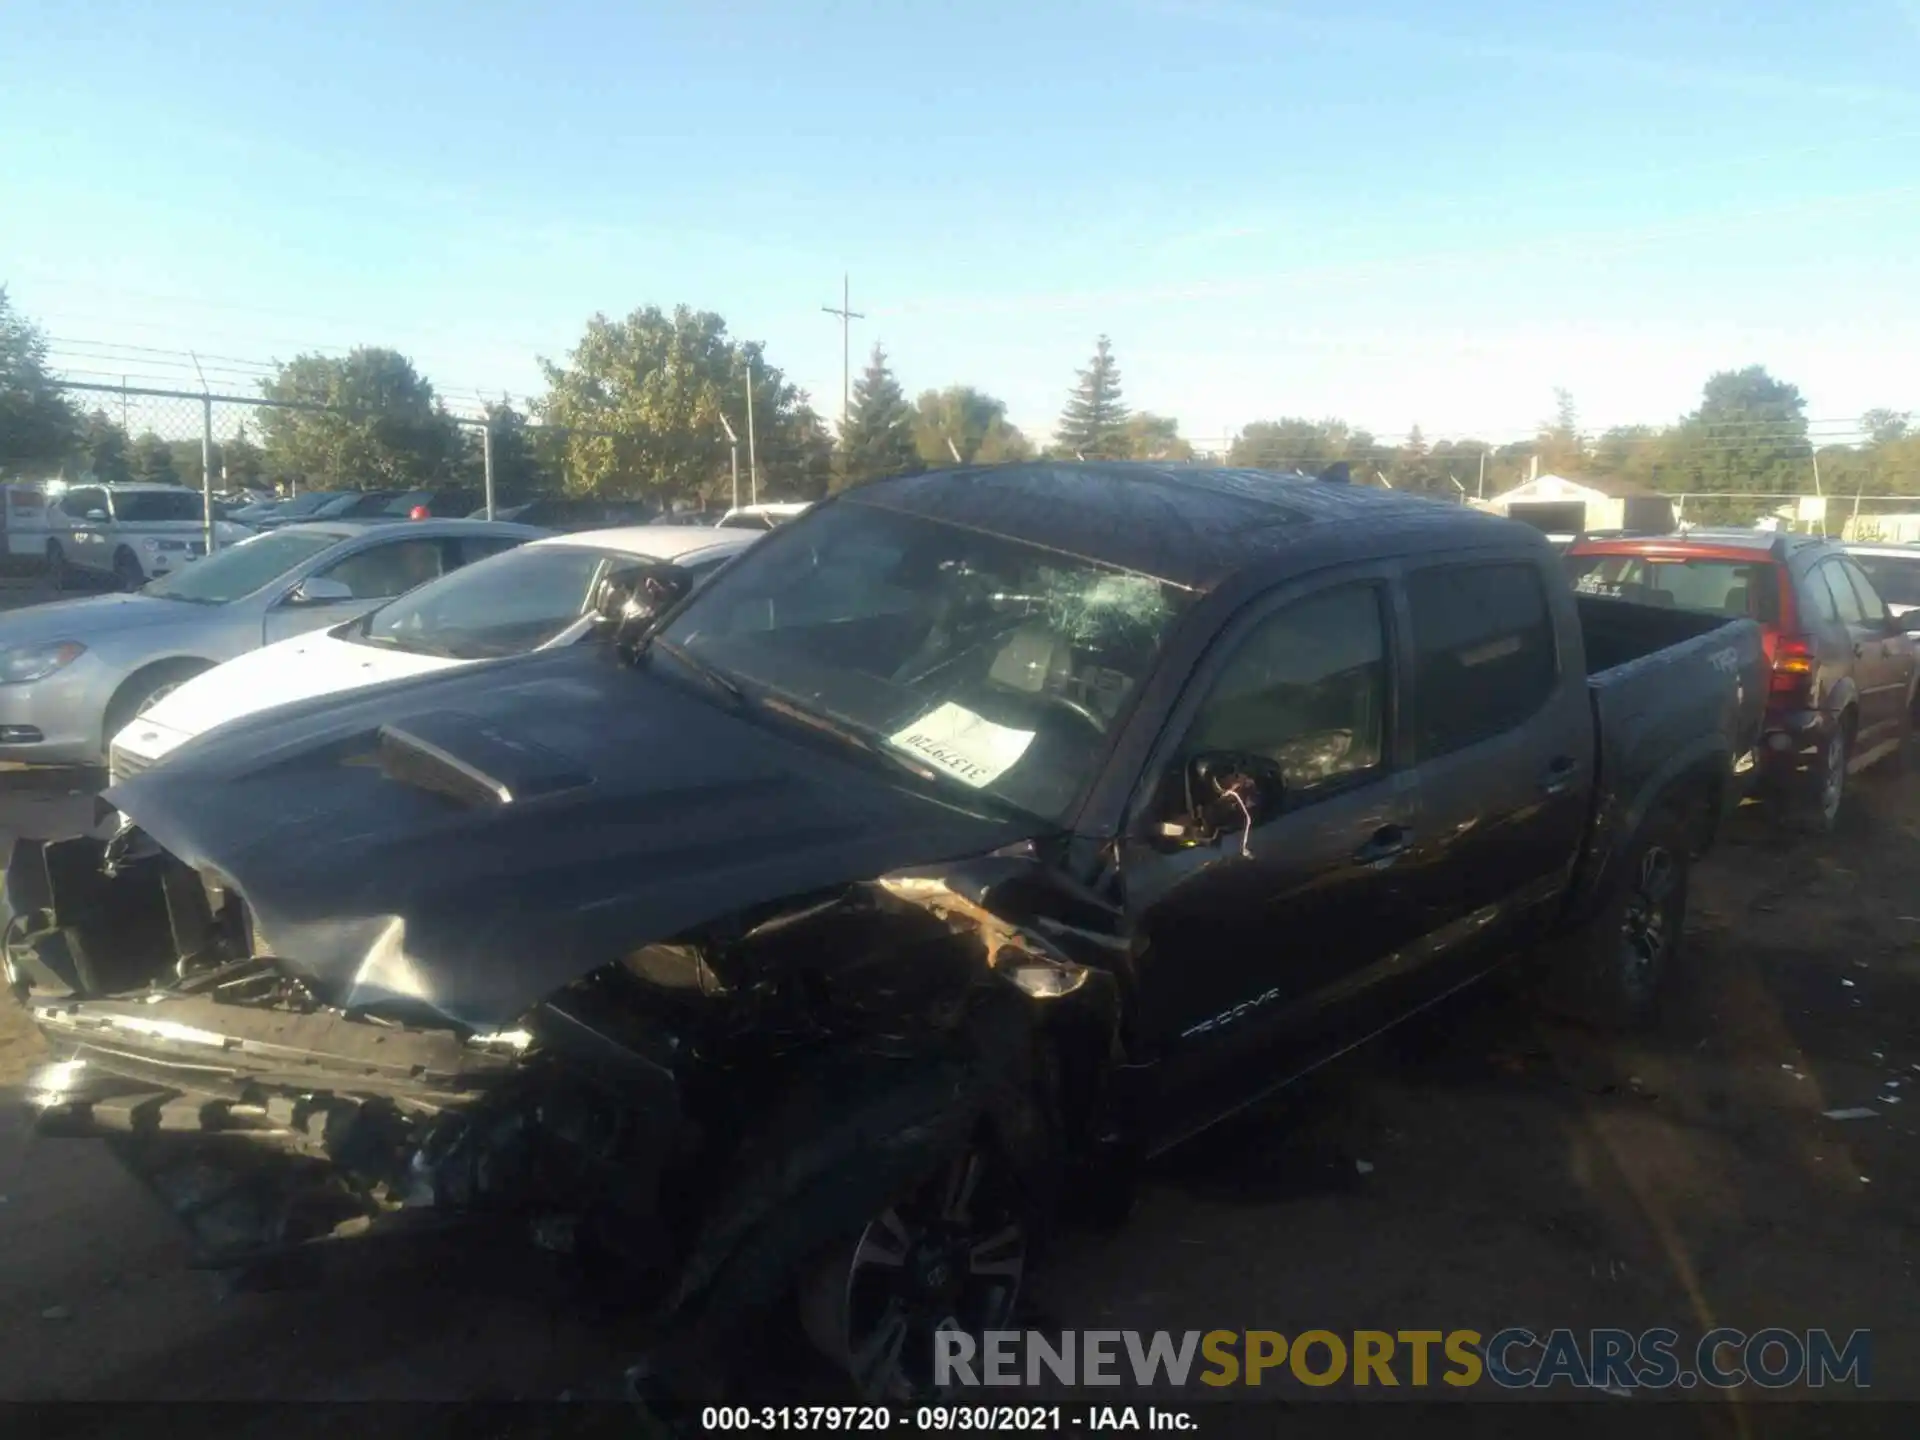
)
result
[(818, 937)]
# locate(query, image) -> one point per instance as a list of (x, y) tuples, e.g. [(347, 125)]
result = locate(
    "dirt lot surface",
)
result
[(1482, 1168)]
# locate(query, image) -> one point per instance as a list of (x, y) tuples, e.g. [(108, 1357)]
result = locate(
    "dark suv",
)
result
[(1842, 689)]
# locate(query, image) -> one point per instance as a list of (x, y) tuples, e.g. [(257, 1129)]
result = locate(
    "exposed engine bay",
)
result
[(275, 1115)]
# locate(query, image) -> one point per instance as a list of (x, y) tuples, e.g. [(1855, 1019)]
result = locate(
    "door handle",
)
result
[(1388, 844), (1560, 775)]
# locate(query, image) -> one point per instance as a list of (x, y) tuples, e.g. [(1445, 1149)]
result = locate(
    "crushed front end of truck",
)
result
[(609, 1119), (270, 1121)]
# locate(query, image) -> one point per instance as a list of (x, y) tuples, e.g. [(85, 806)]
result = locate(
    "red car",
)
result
[(1842, 689)]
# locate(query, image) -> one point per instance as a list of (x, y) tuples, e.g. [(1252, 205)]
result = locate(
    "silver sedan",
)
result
[(74, 672)]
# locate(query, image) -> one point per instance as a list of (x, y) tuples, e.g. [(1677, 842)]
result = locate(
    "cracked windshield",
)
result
[(1061, 718)]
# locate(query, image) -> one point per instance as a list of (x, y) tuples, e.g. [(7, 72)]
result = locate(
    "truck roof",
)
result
[(1193, 526)]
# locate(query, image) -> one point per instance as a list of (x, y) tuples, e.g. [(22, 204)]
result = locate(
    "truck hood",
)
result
[(93, 618), (467, 843)]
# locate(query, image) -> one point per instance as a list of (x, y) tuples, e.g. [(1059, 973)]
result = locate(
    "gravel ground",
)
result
[(1481, 1168)]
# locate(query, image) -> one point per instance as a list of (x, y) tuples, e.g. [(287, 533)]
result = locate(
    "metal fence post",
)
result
[(486, 460), (206, 466)]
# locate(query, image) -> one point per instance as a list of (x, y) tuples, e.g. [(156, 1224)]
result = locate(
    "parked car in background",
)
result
[(128, 533), (570, 513), (1894, 571), (74, 672), (1841, 695), (762, 517), (966, 839), (528, 598), (282, 511), (447, 500), (336, 505)]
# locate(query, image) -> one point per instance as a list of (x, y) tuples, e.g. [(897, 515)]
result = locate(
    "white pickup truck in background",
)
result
[(129, 533)]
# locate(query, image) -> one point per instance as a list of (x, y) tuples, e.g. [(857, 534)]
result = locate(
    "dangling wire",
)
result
[(1246, 831)]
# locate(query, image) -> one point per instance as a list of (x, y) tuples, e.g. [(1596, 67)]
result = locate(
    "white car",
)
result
[(529, 598), (1895, 572), (132, 533)]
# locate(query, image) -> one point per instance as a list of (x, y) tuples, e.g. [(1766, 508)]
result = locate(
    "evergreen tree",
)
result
[(1094, 424), (879, 434)]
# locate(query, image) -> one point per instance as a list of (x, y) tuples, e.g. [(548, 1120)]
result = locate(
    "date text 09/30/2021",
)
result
[(974, 1419)]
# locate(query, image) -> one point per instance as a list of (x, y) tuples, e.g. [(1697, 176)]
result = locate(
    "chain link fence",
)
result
[(226, 444)]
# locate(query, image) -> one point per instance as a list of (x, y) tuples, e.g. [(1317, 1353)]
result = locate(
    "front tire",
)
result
[(127, 572), (949, 1255)]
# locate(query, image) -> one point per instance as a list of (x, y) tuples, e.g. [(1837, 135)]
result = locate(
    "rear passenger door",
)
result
[(1502, 739), (1882, 659)]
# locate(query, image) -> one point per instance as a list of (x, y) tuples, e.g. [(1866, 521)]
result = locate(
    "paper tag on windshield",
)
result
[(965, 745)]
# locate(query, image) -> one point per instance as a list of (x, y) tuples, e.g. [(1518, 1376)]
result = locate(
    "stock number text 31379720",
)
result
[(989, 1419)]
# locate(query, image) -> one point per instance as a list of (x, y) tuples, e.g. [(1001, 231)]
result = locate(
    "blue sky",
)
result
[(1397, 213)]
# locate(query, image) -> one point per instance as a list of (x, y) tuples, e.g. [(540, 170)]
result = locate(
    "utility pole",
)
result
[(1481, 492), (847, 315), (733, 453), (753, 459)]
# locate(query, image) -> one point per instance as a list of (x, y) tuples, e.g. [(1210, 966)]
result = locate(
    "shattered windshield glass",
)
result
[(983, 660)]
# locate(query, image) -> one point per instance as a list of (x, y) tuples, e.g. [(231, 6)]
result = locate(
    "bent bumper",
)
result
[(268, 1133), (270, 1123)]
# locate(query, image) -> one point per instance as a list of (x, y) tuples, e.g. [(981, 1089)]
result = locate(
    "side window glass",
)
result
[(1307, 689), (1871, 604), (386, 570), (1844, 600), (479, 547), (1484, 653), (1820, 596)]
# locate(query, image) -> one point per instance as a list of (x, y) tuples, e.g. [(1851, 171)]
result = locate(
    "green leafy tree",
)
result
[(879, 438), (1884, 427), (520, 470), (1093, 426), (383, 425), (641, 401), (103, 449), (153, 461), (976, 424), (37, 425), (1296, 444), (1749, 434), (1147, 436)]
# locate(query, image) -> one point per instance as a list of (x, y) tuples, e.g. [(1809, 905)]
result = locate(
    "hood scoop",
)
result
[(472, 762)]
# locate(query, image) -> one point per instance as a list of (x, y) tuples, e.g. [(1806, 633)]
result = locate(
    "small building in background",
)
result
[(1560, 506), (1898, 528)]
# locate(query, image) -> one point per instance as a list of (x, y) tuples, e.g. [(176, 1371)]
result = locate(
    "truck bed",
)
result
[(1667, 688)]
